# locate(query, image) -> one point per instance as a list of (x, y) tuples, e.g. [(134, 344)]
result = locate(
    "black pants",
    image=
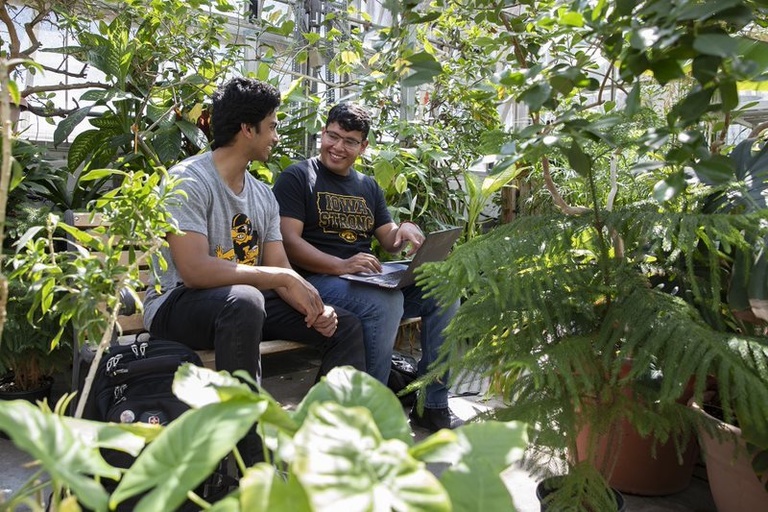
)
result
[(233, 320)]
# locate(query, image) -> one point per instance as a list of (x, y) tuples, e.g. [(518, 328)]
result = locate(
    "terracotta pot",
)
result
[(641, 465), (633, 465), (734, 485)]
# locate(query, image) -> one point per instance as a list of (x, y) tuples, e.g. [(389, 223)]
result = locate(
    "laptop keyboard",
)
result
[(392, 278)]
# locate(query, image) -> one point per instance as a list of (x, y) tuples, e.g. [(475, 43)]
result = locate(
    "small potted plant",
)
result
[(28, 358), (28, 363)]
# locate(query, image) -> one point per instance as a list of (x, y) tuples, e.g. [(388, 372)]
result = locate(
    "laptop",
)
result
[(436, 247)]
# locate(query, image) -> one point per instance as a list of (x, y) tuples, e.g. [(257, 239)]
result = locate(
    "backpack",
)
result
[(402, 373), (133, 383)]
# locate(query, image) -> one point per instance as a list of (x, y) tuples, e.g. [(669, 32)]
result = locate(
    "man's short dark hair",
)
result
[(351, 117), (240, 100)]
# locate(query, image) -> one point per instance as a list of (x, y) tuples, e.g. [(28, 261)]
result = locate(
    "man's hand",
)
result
[(327, 322), (408, 232), (303, 297), (360, 262)]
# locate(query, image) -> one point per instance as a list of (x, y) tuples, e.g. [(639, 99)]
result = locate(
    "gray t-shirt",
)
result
[(237, 225)]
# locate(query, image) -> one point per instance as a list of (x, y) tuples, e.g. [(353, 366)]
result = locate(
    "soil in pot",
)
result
[(9, 392), (734, 485), (550, 485)]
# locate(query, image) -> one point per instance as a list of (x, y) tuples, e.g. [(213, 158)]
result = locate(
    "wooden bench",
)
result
[(131, 326)]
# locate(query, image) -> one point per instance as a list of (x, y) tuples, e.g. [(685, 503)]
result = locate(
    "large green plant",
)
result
[(346, 446), (553, 306)]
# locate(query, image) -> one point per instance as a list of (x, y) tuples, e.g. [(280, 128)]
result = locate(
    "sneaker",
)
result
[(435, 419)]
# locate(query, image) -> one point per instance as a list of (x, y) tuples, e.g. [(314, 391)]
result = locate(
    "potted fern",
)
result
[(556, 308), (28, 359), (28, 363)]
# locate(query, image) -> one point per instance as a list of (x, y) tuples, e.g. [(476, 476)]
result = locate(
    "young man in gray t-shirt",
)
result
[(229, 284)]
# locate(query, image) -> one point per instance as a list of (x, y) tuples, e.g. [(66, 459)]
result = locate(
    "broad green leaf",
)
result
[(349, 57), (384, 172), (344, 463), (423, 68), (28, 236), (536, 96), (494, 182), (98, 174), (350, 388), (474, 481), (262, 489), (416, 17), (65, 127), (197, 386), (230, 503), (693, 106), (187, 451), (311, 37), (83, 146), (633, 100), (50, 440), (666, 70), (705, 68), (13, 91), (720, 45), (401, 183), (699, 11), (580, 162), (442, 446), (95, 95), (729, 94), (717, 170), (625, 7), (755, 52), (669, 188), (572, 18), (295, 92), (108, 121), (167, 144), (164, 117), (194, 134), (256, 486)]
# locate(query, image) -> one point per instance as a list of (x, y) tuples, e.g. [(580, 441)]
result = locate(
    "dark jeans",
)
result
[(234, 319)]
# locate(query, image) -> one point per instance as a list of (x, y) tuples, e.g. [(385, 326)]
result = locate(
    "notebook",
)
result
[(436, 247)]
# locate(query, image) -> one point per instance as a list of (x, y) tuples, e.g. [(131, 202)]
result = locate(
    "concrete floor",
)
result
[(288, 377)]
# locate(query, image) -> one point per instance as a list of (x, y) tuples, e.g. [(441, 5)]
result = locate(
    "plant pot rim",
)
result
[(542, 487), (724, 425), (46, 381)]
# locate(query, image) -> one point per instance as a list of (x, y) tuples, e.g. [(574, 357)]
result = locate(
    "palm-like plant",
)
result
[(555, 306)]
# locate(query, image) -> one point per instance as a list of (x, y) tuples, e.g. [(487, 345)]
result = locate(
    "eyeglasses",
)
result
[(348, 143)]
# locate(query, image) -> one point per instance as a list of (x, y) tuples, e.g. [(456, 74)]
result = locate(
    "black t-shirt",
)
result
[(340, 213)]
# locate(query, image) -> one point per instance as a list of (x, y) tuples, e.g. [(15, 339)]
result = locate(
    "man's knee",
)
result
[(349, 324), (346, 346), (245, 305)]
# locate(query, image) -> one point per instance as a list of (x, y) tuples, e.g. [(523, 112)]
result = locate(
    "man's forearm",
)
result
[(216, 272)]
